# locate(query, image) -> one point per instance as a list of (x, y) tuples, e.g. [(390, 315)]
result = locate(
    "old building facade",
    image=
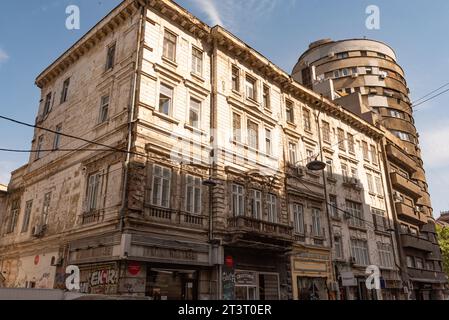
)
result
[(369, 69), (171, 161)]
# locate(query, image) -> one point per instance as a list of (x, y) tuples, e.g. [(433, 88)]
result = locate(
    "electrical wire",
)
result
[(430, 93), (431, 98), (70, 136)]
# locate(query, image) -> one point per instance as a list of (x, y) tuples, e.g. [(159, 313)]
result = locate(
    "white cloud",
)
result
[(435, 146), (232, 13), (3, 56)]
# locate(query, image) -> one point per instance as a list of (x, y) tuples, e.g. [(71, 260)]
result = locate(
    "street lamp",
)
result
[(316, 165)]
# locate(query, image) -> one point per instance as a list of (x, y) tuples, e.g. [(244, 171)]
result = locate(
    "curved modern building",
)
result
[(370, 68)]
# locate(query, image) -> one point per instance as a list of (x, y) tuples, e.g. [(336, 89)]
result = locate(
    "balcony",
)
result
[(408, 213), (260, 228), (91, 217), (399, 157), (427, 275), (415, 242), (174, 217), (405, 185)]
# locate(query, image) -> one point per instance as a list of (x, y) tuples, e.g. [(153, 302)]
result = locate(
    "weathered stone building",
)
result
[(367, 71), (171, 162)]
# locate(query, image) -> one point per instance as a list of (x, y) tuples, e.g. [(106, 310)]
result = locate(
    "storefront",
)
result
[(312, 274), (172, 284), (253, 274)]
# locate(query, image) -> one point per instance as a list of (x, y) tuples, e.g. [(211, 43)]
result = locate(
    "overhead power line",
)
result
[(68, 135), (430, 93), (431, 98)]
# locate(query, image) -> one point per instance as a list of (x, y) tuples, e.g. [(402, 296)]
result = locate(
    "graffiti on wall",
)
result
[(100, 281)]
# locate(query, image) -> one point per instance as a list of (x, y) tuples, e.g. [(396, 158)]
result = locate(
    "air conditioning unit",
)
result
[(397, 197), (418, 209), (38, 230), (354, 75), (331, 54), (382, 75)]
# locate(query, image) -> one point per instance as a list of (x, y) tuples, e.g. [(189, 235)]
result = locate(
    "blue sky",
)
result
[(33, 34)]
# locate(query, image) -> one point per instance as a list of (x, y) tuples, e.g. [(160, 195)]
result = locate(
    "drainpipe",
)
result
[(396, 225), (131, 119)]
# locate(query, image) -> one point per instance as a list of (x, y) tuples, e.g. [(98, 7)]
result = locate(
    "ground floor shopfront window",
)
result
[(252, 285), (171, 284), (312, 288)]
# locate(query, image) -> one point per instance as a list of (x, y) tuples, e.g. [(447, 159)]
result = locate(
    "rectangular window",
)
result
[(266, 97), (237, 127), (341, 140), (289, 114), (365, 150), (57, 140), (197, 61), (379, 189), (14, 216), (194, 113), (253, 134), (363, 53), (93, 190), (193, 194), (272, 208), (110, 58), (396, 114), (326, 132), (65, 90), (169, 49), (410, 262), (330, 168), (369, 177), (40, 142), (256, 204), (373, 154), (381, 222), (419, 263), (344, 172), (306, 118), (309, 155), (342, 55), (104, 109), (298, 218), (46, 208), (165, 99), (333, 206), (292, 153), (268, 142), (238, 200), (161, 186), (355, 213), (47, 105), (27, 215), (235, 78), (403, 135), (250, 88), (338, 247), (351, 147), (316, 222), (359, 250)]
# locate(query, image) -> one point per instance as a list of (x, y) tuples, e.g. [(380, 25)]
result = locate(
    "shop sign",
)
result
[(228, 282), (348, 279), (134, 268), (245, 278)]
